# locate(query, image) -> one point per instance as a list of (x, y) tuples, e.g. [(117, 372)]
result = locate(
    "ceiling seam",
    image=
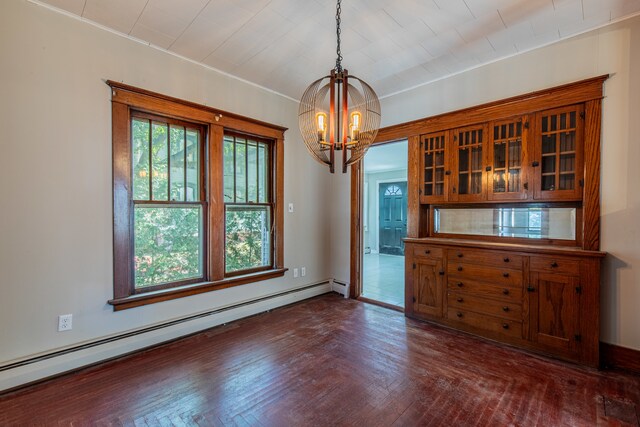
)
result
[(188, 26), (138, 18)]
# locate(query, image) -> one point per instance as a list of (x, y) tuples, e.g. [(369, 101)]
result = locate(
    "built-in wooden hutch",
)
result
[(504, 212)]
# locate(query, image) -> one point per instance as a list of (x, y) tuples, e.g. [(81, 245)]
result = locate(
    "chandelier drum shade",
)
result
[(339, 115)]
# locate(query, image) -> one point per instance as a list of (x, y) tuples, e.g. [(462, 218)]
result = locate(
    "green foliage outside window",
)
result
[(167, 245)]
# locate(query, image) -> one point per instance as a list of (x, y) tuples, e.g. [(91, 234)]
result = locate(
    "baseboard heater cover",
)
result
[(164, 325), (340, 287)]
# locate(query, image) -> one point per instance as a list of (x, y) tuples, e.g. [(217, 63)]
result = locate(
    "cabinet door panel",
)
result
[(434, 163), (508, 158), (428, 286), (554, 311), (469, 157), (558, 169)]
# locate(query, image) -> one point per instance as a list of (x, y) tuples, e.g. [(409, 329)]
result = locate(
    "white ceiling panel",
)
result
[(393, 45), (121, 15), (72, 6)]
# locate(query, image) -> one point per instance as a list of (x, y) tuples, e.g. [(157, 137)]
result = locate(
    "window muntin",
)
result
[(168, 203), (248, 204)]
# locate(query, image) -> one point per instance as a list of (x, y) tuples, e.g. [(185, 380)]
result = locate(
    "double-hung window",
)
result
[(247, 201), (169, 202), (197, 198)]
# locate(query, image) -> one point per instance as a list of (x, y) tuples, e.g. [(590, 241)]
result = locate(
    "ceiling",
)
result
[(393, 45), (386, 157)]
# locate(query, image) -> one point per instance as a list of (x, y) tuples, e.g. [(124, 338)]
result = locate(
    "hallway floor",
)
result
[(383, 278)]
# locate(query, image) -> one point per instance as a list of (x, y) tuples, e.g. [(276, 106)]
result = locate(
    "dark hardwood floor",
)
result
[(330, 361)]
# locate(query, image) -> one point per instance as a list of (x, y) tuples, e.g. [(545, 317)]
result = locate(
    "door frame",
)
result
[(356, 236), (382, 181)]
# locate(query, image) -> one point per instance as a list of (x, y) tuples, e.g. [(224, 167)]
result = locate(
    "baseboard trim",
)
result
[(52, 364), (614, 356)]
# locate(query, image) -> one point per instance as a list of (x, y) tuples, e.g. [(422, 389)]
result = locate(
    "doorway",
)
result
[(384, 223)]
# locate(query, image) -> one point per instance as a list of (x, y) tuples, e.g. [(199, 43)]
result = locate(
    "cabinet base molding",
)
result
[(614, 356)]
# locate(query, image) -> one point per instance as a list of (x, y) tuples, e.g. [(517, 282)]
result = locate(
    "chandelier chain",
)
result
[(338, 52)]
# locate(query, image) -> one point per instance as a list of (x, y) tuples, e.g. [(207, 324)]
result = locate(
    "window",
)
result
[(197, 198), (247, 201), (168, 202)]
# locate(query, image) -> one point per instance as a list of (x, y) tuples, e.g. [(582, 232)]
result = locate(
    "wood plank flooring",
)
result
[(329, 361)]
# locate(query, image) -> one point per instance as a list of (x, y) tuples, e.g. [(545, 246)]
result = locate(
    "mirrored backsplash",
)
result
[(522, 222)]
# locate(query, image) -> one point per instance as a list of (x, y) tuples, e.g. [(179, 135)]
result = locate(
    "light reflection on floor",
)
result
[(383, 278)]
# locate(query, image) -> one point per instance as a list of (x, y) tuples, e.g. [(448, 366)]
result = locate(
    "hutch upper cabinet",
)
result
[(526, 158), (503, 220)]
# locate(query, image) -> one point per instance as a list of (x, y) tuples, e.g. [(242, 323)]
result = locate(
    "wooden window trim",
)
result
[(128, 100)]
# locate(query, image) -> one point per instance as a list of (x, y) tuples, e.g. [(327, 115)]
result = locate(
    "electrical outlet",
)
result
[(65, 322), (290, 207), (295, 272), (303, 271)]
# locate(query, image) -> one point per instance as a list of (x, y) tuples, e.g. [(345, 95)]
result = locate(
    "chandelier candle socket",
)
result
[(339, 112)]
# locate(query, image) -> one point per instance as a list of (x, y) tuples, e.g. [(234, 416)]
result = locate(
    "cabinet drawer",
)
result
[(505, 292), (478, 304), (427, 252), (492, 275), (506, 327), (556, 265), (490, 258)]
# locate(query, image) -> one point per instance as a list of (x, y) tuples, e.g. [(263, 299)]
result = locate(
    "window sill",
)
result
[(138, 300)]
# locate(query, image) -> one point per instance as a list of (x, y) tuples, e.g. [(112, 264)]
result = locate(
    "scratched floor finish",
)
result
[(330, 361)]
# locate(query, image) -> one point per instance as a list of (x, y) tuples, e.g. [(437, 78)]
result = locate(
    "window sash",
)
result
[(263, 195), (202, 247), (195, 198)]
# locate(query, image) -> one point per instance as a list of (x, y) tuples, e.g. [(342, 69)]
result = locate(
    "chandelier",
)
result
[(339, 113)]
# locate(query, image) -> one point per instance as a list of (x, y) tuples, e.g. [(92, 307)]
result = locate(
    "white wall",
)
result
[(614, 50), (55, 170)]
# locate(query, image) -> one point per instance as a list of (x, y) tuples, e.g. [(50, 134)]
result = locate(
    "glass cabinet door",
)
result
[(508, 154), (558, 163), (433, 167), (469, 157)]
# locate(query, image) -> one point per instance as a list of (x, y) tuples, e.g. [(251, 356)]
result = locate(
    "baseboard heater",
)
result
[(340, 287), (154, 328)]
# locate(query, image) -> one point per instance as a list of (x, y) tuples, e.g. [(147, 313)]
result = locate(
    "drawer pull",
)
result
[(505, 309), (459, 299), (554, 264), (460, 255), (505, 292), (505, 326), (459, 268), (459, 314), (505, 274), (441, 272), (427, 252), (506, 259), (531, 289), (460, 284)]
